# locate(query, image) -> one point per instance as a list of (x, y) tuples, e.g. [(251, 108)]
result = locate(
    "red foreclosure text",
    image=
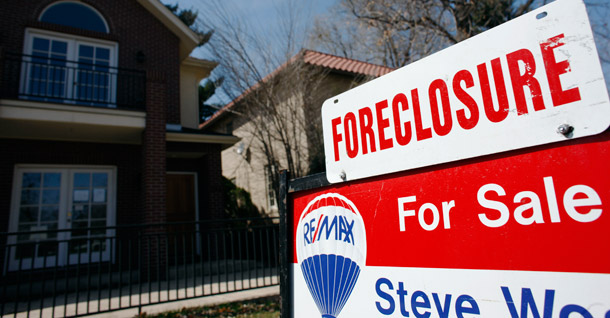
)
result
[(384, 125)]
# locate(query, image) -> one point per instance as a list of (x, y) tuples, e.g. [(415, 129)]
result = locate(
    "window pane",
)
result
[(98, 224), (31, 180), (100, 179), (25, 228), (85, 51), (80, 212), (81, 180), (74, 15), (80, 229), (102, 54), (80, 196), (41, 45), (59, 47), (49, 213), (28, 214), (50, 227), (50, 196), (52, 180), (98, 211), (30, 196)]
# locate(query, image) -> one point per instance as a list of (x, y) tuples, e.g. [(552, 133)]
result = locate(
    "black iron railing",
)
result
[(49, 274), (70, 82)]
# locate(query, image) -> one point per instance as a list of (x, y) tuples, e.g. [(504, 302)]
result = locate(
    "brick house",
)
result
[(99, 121), (243, 163)]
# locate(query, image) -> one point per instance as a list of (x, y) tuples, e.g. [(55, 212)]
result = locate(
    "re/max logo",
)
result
[(326, 227)]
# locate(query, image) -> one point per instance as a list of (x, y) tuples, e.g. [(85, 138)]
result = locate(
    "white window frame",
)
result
[(71, 57), (63, 222)]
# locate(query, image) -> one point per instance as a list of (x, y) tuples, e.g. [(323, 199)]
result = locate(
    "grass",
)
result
[(268, 307)]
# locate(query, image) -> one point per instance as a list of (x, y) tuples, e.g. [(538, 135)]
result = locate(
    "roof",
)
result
[(333, 62), (344, 64), (188, 39)]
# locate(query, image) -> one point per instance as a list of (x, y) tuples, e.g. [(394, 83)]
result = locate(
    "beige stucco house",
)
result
[(246, 163)]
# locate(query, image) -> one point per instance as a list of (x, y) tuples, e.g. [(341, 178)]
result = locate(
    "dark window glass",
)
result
[(40, 45), (31, 180), (52, 180), (74, 15), (100, 179), (81, 180)]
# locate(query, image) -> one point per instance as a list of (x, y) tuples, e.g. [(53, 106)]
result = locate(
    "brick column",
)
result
[(215, 197), (154, 252), (153, 146)]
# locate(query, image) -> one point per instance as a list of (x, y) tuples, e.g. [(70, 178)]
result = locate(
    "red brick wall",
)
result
[(131, 26), (124, 157)]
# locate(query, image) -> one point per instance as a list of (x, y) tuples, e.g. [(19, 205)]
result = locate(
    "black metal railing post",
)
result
[(285, 247)]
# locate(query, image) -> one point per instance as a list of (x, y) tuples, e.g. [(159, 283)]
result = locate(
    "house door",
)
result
[(181, 205), (79, 201), (181, 199)]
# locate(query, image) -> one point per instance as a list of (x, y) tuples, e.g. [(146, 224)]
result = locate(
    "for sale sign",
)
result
[(518, 227), (520, 234), (532, 81)]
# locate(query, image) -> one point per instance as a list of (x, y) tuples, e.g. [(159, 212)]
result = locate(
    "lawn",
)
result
[(257, 308)]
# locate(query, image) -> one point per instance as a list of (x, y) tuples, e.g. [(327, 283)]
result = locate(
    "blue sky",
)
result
[(261, 14)]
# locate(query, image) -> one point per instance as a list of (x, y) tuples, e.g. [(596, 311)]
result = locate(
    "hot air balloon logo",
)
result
[(331, 250)]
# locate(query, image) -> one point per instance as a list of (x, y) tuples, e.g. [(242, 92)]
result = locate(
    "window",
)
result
[(229, 127), (74, 14), (61, 68), (270, 187), (49, 199)]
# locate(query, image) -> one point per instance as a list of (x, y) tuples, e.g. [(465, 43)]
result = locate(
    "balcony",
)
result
[(59, 99), (61, 81)]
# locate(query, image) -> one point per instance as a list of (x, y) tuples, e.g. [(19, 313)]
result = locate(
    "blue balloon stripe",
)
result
[(314, 285), (352, 276), (316, 279), (306, 268), (343, 279), (319, 274), (337, 282), (331, 280), (324, 267)]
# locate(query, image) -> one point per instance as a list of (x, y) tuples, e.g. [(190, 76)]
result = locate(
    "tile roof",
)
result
[(314, 58), (345, 64)]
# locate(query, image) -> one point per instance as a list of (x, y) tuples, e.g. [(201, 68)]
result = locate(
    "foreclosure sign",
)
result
[(531, 81), (510, 235), (477, 184)]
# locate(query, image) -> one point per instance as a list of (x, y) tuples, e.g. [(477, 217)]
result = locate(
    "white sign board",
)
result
[(531, 81)]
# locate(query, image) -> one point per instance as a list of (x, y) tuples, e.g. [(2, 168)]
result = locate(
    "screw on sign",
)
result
[(331, 250)]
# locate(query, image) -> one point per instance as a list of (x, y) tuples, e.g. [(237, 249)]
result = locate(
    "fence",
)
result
[(45, 79), (70, 273)]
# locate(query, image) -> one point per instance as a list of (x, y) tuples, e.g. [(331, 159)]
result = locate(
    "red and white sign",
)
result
[(520, 234), (508, 88)]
